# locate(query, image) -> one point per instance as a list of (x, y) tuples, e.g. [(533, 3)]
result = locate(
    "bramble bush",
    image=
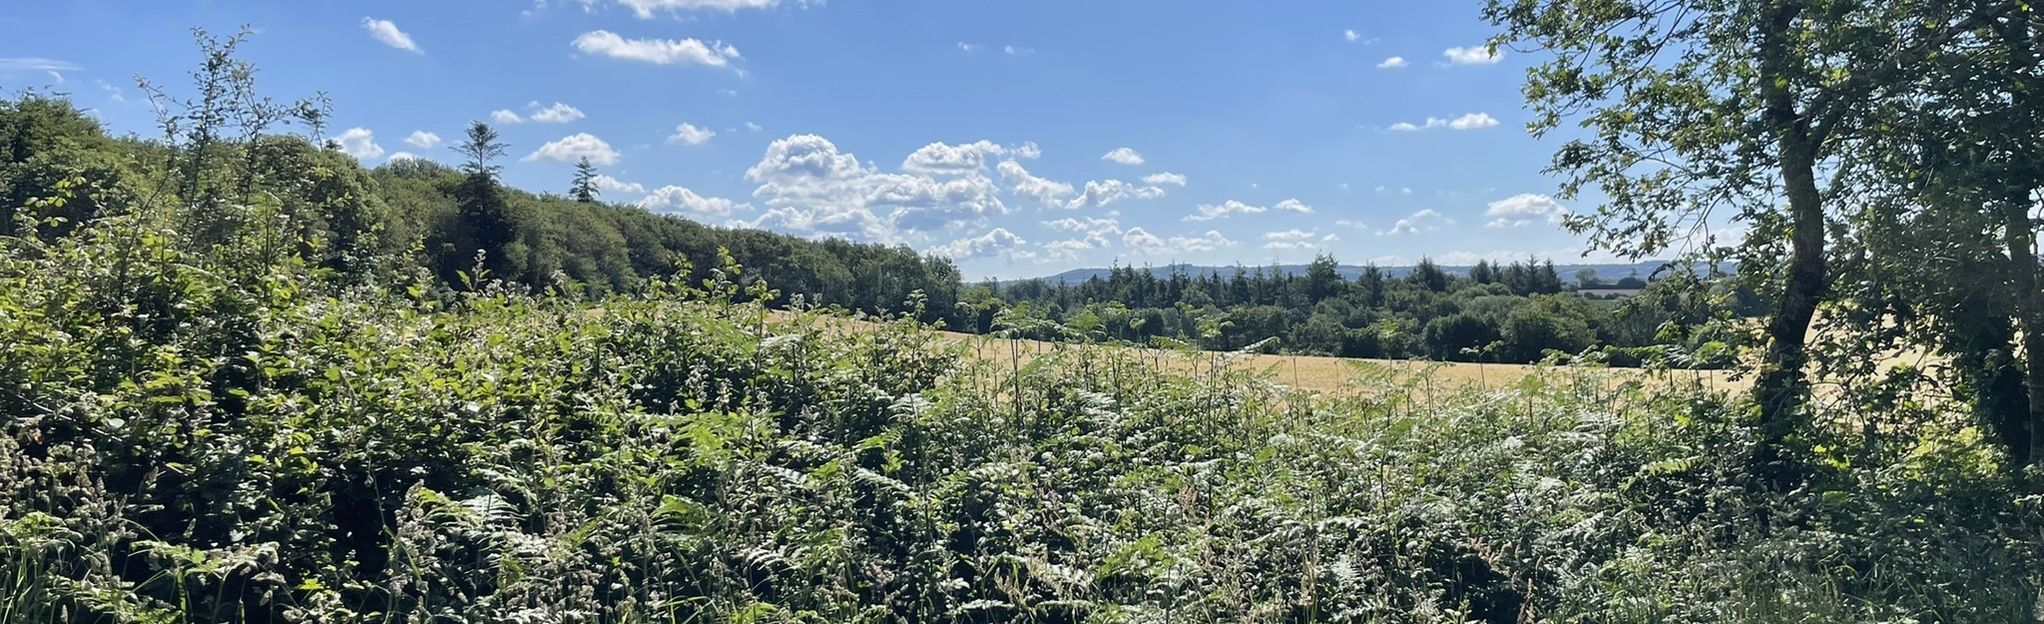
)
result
[(277, 417), (190, 443)]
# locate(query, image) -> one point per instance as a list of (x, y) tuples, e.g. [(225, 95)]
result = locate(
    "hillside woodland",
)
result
[(244, 379)]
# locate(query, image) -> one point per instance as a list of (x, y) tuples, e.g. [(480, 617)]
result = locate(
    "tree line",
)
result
[(1518, 312)]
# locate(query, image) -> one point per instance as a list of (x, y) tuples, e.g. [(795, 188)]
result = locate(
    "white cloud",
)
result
[(505, 117), (1146, 243), (1351, 35), (1094, 233), (1473, 55), (1206, 242), (1164, 177), (675, 199), (1293, 206), (1015, 51), (1392, 63), (657, 51), (609, 184), (422, 139), (690, 134), (576, 147), (1473, 121), (1422, 221), (647, 9), (1103, 192), (1350, 223), (14, 64), (1026, 151), (1023, 184), (1293, 239), (558, 113), (753, 126), (1470, 121), (1209, 212), (1523, 209), (1124, 156), (1142, 240), (969, 47), (388, 33), (997, 241), (397, 156), (360, 143), (947, 159), (810, 187)]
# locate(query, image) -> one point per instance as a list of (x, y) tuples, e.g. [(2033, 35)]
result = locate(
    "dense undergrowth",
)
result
[(189, 441)]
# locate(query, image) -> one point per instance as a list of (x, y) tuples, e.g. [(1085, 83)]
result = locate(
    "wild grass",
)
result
[(261, 451)]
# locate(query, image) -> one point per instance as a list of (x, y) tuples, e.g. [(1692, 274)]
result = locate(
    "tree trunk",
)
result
[(2018, 232), (1985, 354), (1781, 390)]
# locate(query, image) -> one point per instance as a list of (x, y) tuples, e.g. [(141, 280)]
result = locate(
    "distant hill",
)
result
[(1605, 272)]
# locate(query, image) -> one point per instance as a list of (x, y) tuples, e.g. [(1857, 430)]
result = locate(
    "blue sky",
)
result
[(1019, 138)]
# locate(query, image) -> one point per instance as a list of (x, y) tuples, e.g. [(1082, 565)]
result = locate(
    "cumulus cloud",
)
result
[(657, 51), (1100, 193), (1392, 63), (1023, 184), (1351, 35), (1293, 206), (995, 242), (647, 9), (388, 33), (1093, 233), (1146, 243), (504, 116), (576, 147), (1142, 240), (422, 139), (1124, 156), (397, 156), (1472, 55), (690, 134), (679, 200), (1523, 209), (1164, 177), (360, 143), (947, 159), (612, 185), (1471, 121), (1422, 221), (1209, 212), (558, 113), (812, 188), (1294, 239)]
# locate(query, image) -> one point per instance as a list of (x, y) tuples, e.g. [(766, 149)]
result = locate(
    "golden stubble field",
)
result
[(1333, 375)]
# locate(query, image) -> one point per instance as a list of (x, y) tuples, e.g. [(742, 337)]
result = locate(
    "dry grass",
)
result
[(1333, 375), (1329, 375)]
